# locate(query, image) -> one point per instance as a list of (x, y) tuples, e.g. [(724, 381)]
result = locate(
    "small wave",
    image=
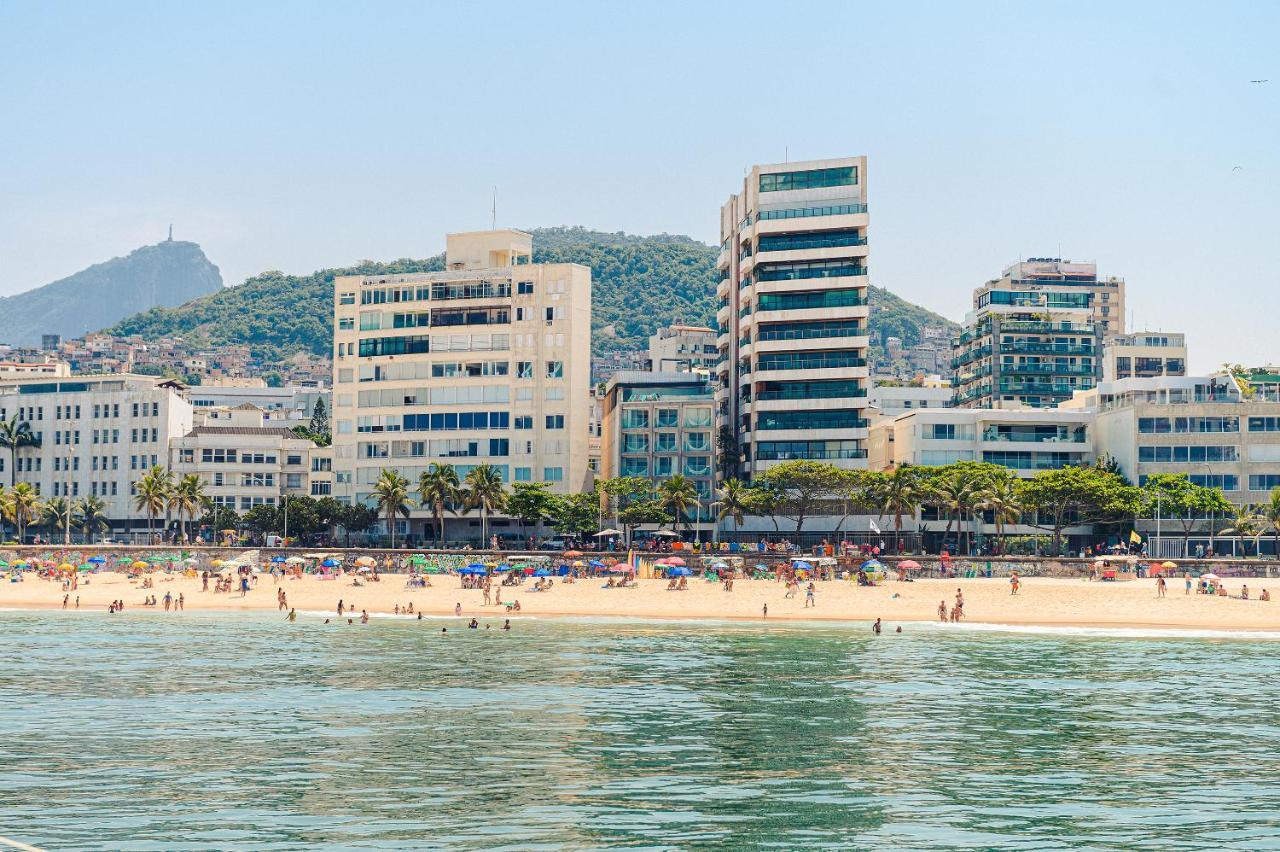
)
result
[(391, 616), (1111, 632)]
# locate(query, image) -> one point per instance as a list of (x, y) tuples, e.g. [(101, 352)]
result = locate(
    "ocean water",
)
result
[(246, 732)]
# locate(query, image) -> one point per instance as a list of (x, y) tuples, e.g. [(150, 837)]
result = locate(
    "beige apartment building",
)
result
[(793, 314), (1106, 300), (1144, 355), (487, 362)]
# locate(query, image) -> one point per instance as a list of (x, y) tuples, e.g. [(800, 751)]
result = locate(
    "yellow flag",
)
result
[(1134, 537)]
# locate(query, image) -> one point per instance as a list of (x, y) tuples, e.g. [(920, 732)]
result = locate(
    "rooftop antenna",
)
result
[(171, 233), (786, 153), (493, 219)]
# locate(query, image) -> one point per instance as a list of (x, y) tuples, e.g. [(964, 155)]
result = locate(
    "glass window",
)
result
[(524, 474), (553, 474), (668, 418), (635, 418), (809, 179), (636, 442)]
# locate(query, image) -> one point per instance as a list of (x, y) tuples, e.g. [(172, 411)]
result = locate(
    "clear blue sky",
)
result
[(299, 135)]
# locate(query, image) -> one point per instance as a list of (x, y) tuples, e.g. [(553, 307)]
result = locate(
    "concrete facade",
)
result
[(1144, 355)]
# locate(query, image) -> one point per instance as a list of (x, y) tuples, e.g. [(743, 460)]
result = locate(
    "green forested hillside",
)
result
[(640, 283)]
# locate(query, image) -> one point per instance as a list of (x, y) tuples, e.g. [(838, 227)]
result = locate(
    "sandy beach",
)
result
[(1040, 601)]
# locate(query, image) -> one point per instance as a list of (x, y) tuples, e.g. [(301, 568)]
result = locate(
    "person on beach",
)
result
[(364, 616), (181, 604), (959, 600), (205, 576), (808, 596), (1265, 596), (764, 613), (875, 628), (457, 609), (339, 608), (1264, 591), (1187, 578), (1160, 587), (168, 601), (1013, 583), (506, 625), (1244, 593), (65, 600), (942, 610), (473, 624), (293, 615)]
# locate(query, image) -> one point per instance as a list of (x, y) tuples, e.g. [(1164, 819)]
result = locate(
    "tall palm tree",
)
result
[(151, 495), (439, 488), (678, 495), (56, 515), (22, 506), (957, 494), (186, 499), (1244, 522), (1001, 499), (391, 492), (4, 512), (898, 492), (484, 491), (736, 500), (14, 435), (91, 516)]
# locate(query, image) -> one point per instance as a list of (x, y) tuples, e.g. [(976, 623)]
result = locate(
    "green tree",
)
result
[(486, 492), (642, 512), (678, 495), (91, 516), (575, 514), (22, 507), (1001, 498), (186, 499), (439, 488), (736, 500), (803, 487), (622, 491), (56, 515), (219, 518), (263, 519), (1174, 495), (531, 503), (391, 493), (898, 493), (151, 495), (957, 489), (1078, 496), (1270, 512), (357, 518), (14, 435)]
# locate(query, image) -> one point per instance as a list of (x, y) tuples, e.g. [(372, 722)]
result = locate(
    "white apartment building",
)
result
[(1024, 441), (683, 349), (486, 362), (292, 403), (1107, 294), (892, 400), (1144, 355), (793, 316), (98, 436), (245, 461)]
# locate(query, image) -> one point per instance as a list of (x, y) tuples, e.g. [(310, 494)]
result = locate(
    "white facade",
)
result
[(683, 349), (1144, 354), (892, 400), (1023, 441), (793, 314), (98, 436)]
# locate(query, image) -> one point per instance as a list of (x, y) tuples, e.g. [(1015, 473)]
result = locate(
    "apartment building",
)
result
[(1026, 441), (245, 461), (658, 425), (683, 349), (1144, 355), (291, 403), (98, 435), (487, 362), (1032, 347), (1106, 302), (1198, 425), (793, 314), (890, 400)]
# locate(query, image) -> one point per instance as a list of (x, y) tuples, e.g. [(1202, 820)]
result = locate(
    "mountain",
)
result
[(167, 273), (639, 284), (894, 316)]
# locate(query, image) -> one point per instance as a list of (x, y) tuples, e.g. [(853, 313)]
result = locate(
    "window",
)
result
[(635, 466), (499, 447), (665, 442), (524, 369), (664, 466), (809, 179), (524, 288), (1154, 425), (524, 474), (346, 298), (1264, 481), (346, 324), (553, 474), (555, 421), (635, 418), (1264, 424), (555, 369), (668, 418), (1158, 454), (524, 421), (371, 347), (635, 443)]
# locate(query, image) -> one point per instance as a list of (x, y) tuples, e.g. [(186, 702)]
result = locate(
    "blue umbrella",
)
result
[(679, 571), (596, 563), (542, 572), (331, 563), (277, 559), (871, 564), (474, 570), (478, 565), (562, 570), (802, 566), (502, 568), (97, 560)]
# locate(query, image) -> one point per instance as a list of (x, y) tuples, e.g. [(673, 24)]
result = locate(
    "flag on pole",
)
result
[(1134, 538), (874, 528)]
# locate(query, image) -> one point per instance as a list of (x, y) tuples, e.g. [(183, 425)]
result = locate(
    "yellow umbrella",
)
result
[(366, 560), (141, 564), (217, 563), (1169, 565), (66, 567)]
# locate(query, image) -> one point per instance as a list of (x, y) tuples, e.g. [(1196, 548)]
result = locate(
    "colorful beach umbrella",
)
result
[(679, 571), (328, 563), (366, 560), (909, 565)]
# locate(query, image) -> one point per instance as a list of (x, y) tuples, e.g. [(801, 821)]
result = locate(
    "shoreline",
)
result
[(1045, 603)]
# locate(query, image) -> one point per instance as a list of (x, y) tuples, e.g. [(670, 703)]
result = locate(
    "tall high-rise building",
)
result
[(486, 362), (1030, 347), (793, 315), (1106, 302)]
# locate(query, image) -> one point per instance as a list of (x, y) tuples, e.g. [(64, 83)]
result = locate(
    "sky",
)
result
[(296, 136)]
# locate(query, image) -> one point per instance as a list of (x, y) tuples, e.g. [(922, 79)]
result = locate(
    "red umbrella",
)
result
[(909, 565)]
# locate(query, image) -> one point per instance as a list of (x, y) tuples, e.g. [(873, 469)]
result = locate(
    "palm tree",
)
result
[(736, 500), (899, 493), (15, 434), (56, 515), (22, 506), (91, 516), (391, 492), (188, 498), (438, 487), (957, 494), (151, 494), (677, 495), (485, 492), (4, 513), (1001, 498), (1244, 523), (1271, 514)]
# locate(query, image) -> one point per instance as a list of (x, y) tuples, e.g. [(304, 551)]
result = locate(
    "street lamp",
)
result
[(66, 521)]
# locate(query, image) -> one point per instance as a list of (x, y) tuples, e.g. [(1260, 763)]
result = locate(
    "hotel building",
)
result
[(487, 362), (793, 314), (1030, 347)]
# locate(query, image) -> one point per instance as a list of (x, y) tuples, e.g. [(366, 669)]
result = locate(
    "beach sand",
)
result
[(1040, 601)]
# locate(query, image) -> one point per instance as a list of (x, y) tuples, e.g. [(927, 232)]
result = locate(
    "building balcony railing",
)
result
[(808, 301), (811, 393), (1041, 326), (971, 355), (812, 455), (809, 212), (811, 333), (1046, 369), (1064, 436), (972, 393), (788, 273), (811, 420), (1040, 388), (813, 241), (1017, 348), (810, 362)]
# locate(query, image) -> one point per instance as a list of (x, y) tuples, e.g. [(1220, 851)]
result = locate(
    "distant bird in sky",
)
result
[(1259, 81), (1238, 169)]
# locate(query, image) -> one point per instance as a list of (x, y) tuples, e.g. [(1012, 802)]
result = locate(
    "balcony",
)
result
[(812, 390), (811, 212), (818, 361), (1034, 435), (1017, 348), (811, 455), (1045, 369), (817, 269), (1040, 388), (811, 331), (971, 355), (801, 242), (803, 301), (809, 420), (1046, 327)]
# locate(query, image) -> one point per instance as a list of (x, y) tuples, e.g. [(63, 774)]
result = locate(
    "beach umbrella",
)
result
[(86, 567), (123, 560), (674, 560), (665, 534), (607, 532), (1168, 564), (141, 564), (295, 560), (572, 553), (871, 565), (96, 560), (3, 564), (720, 566), (542, 572), (578, 563), (596, 563), (66, 566), (805, 566), (479, 565), (417, 559), (328, 563), (679, 571), (562, 570), (277, 559), (217, 563), (366, 560), (909, 565), (1210, 577)]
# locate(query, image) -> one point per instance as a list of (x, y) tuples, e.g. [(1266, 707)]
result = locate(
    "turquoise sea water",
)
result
[(245, 732)]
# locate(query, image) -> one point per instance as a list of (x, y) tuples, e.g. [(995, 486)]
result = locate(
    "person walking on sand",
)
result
[(457, 609), (1187, 580), (1160, 587), (168, 600), (1013, 583), (808, 597), (764, 612), (65, 600)]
